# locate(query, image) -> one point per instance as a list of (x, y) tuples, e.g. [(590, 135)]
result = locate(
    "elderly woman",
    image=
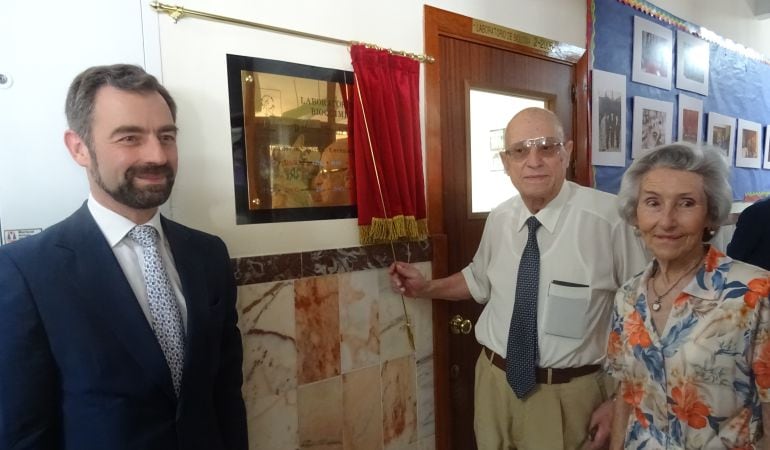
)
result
[(690, 340)]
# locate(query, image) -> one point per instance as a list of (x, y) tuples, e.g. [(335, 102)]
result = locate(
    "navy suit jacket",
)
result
[(80, 367), (751, 239)]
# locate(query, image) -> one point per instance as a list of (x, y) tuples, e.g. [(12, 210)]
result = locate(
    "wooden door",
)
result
[(462, 64)]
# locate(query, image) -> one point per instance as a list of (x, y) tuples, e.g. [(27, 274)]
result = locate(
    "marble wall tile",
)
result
[(266, 321), (399, 403), (420, 311), (318, 330), (359, 320), (426, 425), (362, 409), (300, 335), (394, 338), (324, 262), (428, 443), (262, 269), (320, 415), (272, 422)]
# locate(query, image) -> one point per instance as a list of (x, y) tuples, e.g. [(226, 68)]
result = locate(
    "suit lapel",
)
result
[(108, 295)]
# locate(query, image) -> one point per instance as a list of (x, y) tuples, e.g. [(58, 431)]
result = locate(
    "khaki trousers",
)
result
[(554, 417)]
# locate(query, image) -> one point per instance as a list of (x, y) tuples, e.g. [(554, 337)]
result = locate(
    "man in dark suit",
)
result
[(751, 239), (118, 327)]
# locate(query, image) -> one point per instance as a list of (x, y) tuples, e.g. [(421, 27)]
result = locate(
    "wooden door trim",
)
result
[(437, 23)]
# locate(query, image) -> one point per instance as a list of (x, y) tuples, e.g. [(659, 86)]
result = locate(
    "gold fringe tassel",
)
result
[(383, 231)]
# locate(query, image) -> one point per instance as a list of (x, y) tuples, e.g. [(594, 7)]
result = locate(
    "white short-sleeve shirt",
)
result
[(586, 253)]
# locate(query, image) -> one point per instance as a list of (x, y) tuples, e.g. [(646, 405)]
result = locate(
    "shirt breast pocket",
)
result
[(565, 309)]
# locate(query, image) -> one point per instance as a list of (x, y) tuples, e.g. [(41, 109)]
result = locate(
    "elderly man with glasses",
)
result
[(546, 270)]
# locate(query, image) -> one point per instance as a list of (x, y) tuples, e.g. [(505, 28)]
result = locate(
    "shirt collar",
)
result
[(114, 226), (549, 215), (708, 281)]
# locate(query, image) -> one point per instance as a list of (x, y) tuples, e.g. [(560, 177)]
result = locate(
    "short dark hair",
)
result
[(79, 107), (705, 161)]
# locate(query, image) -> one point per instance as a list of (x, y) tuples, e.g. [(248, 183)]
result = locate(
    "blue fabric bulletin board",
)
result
[(739, 86)]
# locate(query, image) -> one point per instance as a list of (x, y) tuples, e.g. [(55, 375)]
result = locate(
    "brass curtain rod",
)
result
[(178, 12)]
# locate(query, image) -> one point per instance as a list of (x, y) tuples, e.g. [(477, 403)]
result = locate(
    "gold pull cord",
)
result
[(382, 202)]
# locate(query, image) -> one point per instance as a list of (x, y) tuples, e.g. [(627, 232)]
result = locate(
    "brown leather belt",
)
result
[(546, 376)]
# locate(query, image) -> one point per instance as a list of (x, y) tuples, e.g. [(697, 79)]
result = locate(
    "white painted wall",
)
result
[(43, 45), (195, 72), (38, 182)]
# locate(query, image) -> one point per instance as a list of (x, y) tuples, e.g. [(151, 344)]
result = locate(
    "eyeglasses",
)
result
[(546, 147)]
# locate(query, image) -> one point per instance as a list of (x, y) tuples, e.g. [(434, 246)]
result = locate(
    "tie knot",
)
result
[(144, 235), (533, 224)]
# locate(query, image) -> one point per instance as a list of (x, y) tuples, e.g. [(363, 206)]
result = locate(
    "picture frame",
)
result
[(690, 119), (289, 141), (692, 63), (748, 151), (653, 125), (652, 55), (766, 157), (721, 134), (608, 119)]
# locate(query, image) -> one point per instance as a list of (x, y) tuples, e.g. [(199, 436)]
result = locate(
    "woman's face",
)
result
[(671, 213)]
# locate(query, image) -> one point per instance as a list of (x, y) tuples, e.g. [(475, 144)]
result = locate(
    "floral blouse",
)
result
[(697, 384)]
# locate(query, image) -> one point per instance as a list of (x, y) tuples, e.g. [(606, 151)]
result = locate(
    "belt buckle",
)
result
[(549, 375)]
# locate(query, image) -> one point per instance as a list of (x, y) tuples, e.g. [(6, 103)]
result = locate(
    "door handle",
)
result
[(459, 325)]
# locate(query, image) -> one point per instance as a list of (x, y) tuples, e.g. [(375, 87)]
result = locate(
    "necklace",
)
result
[(656, 303)]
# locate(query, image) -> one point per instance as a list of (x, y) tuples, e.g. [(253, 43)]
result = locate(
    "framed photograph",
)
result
[(653, 46), (692, 63), (608, 119), (721, 134), (289, 141), (749, 153), (766, 159), (653, 124), (690, 119)]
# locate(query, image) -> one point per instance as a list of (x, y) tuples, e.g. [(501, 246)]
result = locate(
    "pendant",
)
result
[(656, 306)]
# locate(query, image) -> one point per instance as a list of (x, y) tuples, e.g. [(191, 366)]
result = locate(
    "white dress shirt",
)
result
[(130, 254), (585, 247)]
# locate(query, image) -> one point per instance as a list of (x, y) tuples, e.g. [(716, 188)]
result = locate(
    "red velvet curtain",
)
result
[(387, 154)]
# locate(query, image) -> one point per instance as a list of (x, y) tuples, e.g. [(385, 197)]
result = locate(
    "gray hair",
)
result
[(79, 107), (705, 161)]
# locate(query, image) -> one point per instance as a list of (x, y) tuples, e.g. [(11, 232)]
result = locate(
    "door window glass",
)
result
[(489, 113)]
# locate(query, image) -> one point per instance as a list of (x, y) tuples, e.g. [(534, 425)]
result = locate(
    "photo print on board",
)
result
[(653, 47), (721, 134), (653, 121), (608, 119)]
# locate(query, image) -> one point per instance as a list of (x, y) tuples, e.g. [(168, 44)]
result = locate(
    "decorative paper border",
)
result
[(703, 33)]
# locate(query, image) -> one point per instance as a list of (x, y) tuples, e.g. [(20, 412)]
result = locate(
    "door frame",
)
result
[(437, 23)]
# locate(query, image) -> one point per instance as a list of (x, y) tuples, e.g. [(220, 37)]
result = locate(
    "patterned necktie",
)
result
[(522, 352), (164, 309)]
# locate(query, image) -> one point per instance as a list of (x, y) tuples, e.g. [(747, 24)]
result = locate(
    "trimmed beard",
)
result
[(127, 193)]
